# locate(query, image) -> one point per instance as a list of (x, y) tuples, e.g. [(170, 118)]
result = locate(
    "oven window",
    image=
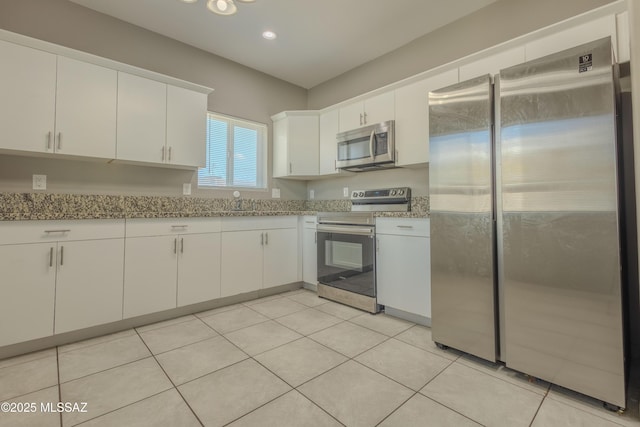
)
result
[(347, 255)]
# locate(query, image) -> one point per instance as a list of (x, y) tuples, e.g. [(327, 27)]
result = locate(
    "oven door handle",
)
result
[(360, 231)]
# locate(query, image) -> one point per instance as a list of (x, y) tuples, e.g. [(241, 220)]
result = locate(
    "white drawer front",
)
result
[(310, 221), (258, 223), (140, 227), (403, 226), (14, 232)]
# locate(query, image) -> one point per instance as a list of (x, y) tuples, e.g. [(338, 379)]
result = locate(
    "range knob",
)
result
[(361, 194), (400, 192), (393, 192), (355, 194)]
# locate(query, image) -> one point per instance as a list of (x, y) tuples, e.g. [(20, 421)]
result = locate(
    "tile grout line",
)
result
[(171, 381), (539, 406)]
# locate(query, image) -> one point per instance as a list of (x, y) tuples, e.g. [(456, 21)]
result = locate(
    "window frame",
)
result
[(262, 145)]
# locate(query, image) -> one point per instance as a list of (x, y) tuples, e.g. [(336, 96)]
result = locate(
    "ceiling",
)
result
[(317, 39)]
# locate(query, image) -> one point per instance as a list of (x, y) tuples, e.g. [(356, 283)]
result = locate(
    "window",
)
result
[(236, 153)]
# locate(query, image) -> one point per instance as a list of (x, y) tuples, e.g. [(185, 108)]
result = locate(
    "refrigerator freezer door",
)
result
[(462, 221), (561, 260)]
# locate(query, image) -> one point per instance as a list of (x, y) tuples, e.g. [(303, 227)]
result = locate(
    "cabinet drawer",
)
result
[(403, 226), (14, 232), (310, 221), (258, 223), (140, 227)]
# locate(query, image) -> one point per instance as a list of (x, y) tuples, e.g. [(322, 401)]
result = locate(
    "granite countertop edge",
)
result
[(16, 216)]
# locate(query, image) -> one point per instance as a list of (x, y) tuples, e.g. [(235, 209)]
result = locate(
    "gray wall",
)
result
[(499, 22), (492, 25), (239, 91)]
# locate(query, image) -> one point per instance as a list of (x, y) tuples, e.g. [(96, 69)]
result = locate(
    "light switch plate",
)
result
[(39, 182), (186, 189), (345, 191), (275, 193), (312, 194)]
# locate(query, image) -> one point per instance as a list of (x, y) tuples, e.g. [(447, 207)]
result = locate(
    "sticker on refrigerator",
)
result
[(586, 63)]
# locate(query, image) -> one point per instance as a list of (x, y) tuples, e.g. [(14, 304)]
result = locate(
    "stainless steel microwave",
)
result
[(367, 148)]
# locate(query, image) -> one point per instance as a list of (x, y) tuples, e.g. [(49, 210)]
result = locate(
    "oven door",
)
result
[(346, 258)]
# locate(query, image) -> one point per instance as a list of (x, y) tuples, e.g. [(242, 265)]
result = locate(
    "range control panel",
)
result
[(401, 193)]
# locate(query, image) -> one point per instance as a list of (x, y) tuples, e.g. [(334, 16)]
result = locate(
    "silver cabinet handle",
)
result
[(61, 255), (335, 165), (51, 257), (310, 222), (360, 119), (262, 239), (404, 226), (180, 226), (49, 141), (57, 231), (175, 245), (316, 238), (365, 117), (182, 245), (290, 167), (163, 148), (170, 153), (266, 238), (59, 140)]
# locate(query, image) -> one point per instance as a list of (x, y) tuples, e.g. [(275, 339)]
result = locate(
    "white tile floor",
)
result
[(289, 360)]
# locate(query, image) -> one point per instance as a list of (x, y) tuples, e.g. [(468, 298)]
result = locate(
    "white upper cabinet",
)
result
[(186, 127), (142, 119), (329, 127), (492, 64), (376, 109), (412, 118), (295, 144), (27, 107), (85, 109)]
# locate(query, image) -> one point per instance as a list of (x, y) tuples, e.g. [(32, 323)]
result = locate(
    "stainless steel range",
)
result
[(347, 247)]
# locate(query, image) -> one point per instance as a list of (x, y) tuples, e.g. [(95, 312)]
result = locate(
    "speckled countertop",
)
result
[(41, 206)]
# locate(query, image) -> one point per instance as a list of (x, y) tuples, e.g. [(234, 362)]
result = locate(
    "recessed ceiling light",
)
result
[(269, 35)]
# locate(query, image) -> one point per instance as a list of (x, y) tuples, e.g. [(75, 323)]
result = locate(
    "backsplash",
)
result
[(34, 206)]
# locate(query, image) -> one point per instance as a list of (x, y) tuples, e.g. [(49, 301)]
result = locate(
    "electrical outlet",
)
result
[(312, 194), (275, 193), (39, 182), (345, 191), (186, 189)]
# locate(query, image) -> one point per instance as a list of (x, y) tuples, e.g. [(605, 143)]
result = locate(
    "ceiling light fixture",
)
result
[(269, 35), (221, 7)]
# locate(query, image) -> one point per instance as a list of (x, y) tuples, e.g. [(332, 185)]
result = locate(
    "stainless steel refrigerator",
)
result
[(525, 244)]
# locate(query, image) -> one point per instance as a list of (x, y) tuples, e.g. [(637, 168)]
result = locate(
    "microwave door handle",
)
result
[(371, 139)]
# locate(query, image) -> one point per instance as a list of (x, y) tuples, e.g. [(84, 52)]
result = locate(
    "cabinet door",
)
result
[(280, 257), (303, 145), (309, 256), (404, 274), (86, 109), (280, 152), (150, 274), (186, 127), (379, 108), (142, 119), (28, 91), (89, 283), (351, 116), (241, 268), (28, 292), (198, 268), (412, 118), (329, 127)]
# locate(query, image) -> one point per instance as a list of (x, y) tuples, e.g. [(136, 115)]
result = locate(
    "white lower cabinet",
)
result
[(88, 283), (70, 271), (258, 253), (28, 292), (309, 250), (403, 265), (170, 263)]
